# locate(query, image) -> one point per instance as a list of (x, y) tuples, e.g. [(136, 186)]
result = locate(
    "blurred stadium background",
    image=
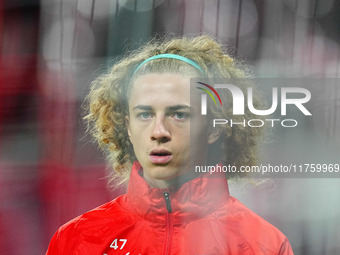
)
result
[(50, 50)]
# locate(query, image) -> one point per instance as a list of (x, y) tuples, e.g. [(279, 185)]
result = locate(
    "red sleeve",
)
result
[(53, 246), (286, 249)]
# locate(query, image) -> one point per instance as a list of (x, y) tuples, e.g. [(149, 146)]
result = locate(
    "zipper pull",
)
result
[(167, 201)]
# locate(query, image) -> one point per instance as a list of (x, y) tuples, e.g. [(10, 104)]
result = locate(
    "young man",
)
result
[(143, 114)]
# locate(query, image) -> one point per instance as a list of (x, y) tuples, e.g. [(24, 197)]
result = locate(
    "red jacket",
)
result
[(198, 218)]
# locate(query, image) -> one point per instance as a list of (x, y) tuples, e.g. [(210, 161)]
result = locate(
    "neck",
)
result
[(176, 182)]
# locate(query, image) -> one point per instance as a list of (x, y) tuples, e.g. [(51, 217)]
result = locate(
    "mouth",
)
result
[(160, 156)]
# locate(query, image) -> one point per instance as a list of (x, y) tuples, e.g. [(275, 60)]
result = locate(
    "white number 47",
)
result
[(115, 246)]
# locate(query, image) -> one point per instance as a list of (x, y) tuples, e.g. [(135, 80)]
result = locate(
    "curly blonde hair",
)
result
[(107, 102)]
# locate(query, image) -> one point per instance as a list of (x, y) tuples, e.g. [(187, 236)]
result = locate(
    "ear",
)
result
[(214, 134), (127, 124)]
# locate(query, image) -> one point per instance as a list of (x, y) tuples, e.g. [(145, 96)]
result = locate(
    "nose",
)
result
[(160, 131)]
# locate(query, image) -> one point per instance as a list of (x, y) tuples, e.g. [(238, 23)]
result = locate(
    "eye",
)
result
[(181, 115), (144, 115)]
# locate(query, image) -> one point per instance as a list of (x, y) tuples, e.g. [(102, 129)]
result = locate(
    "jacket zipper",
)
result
[(168, 222), (167, 201)]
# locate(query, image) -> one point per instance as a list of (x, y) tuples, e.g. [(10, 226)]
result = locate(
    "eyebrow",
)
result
[(169, 108)]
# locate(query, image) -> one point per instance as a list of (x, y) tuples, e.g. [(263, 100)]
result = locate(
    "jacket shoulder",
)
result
[(91, 227), (262, 236)]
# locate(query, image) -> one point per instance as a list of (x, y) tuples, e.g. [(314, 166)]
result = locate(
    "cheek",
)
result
[(132, 133), (138, 136)]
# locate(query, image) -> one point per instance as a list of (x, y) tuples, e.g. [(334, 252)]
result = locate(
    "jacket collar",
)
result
[(191, 201)]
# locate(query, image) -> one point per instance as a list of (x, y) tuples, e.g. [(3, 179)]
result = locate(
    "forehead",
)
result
[(155, 87)]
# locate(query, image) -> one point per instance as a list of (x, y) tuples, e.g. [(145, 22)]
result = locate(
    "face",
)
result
[(160, 116)]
